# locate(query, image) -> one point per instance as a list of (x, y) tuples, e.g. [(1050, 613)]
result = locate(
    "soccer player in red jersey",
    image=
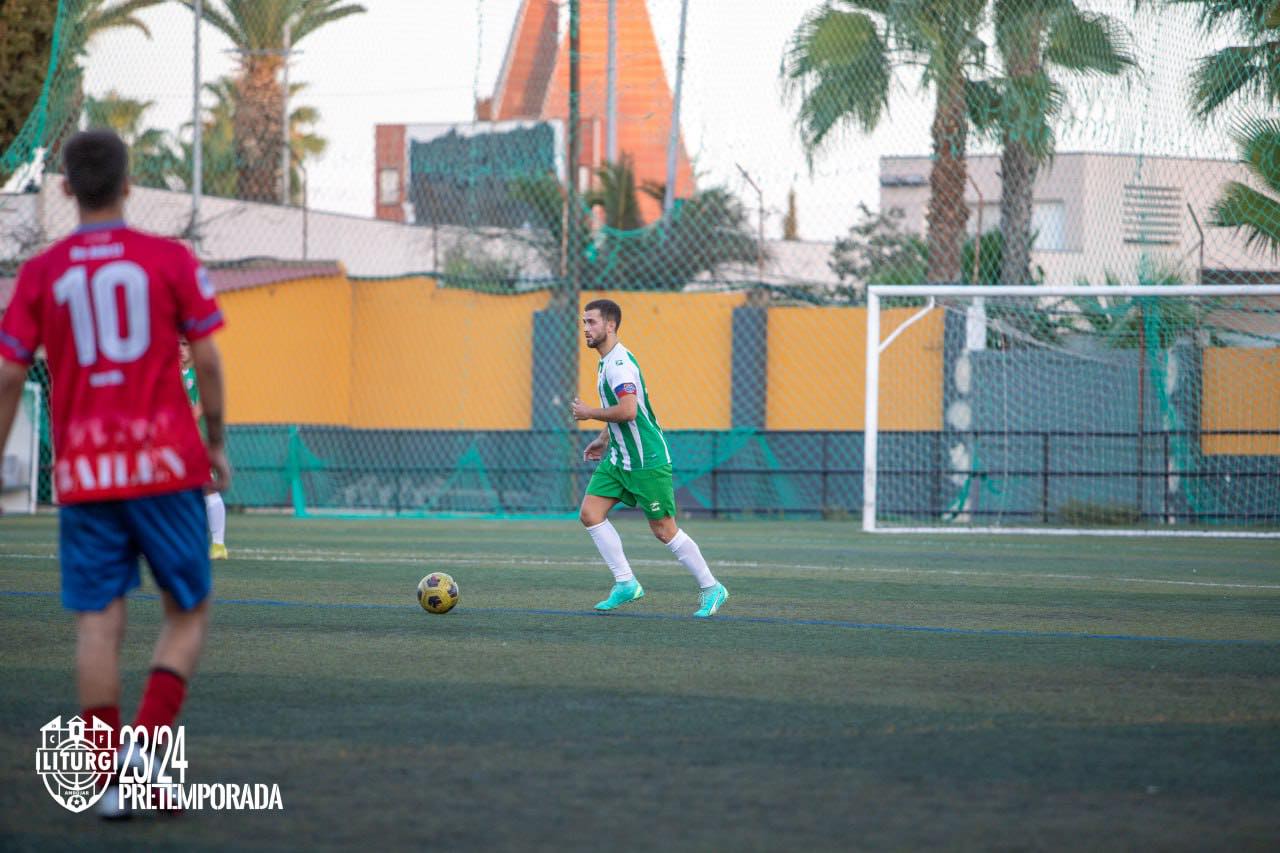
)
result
[(108, 304)]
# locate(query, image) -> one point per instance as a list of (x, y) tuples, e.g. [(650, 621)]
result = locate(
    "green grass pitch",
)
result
[(857, 691)]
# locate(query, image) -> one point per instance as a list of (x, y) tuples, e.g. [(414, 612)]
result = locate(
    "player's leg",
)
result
[(172, 531), (99, 635), (656, 493), (217, 512), (594, 517), (174, 661), (99, 562), (604, 492)]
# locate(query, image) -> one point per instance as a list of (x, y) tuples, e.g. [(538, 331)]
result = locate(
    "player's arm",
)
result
[(594, 451), (624, 410), (208, 364)]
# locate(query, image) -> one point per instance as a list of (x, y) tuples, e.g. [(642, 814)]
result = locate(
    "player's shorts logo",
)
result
[(655, 506), (76, 761)]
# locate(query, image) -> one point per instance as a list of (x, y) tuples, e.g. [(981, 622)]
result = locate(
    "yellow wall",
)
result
[(287, 352), (817, 370), (1241, 391), (684, 343), (427, 357), (404, 353)]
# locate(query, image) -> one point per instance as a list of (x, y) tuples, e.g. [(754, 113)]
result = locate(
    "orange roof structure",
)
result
[(526, 70), (534, 83)]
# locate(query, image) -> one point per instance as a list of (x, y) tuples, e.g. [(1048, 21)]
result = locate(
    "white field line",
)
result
[(328, 556)]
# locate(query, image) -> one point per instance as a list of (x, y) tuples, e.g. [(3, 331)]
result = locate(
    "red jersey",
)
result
[(108, 303)]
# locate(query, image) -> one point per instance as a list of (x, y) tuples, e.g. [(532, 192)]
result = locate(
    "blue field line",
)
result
[(753, 620)]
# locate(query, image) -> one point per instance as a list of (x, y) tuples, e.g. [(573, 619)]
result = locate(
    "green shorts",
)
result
[(649, 488)]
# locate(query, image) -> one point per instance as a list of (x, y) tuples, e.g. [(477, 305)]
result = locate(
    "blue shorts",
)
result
[(99, 545)]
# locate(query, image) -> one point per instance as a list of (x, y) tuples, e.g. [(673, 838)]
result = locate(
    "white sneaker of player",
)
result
[(111, 806)]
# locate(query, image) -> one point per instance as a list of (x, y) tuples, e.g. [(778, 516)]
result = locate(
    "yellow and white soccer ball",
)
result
[(437, 593)]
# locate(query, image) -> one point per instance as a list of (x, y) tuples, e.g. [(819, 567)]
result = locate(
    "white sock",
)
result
[(609, 544), (690, 556), (217, 511)]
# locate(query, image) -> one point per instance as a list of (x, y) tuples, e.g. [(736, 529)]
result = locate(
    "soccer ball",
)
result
[(437, 593)]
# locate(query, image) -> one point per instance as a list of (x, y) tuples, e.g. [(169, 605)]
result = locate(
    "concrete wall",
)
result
[(1091, 189)]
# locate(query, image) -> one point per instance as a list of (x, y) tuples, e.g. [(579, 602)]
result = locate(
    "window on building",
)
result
[(1152, 215), (389, 186), (1049, 224)]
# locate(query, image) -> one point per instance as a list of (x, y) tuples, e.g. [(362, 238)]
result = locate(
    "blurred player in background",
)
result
[(108, 304), (213, 504), (635, 466)]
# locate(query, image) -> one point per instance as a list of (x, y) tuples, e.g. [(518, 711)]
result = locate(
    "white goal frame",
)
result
[(24, 443), (932, 292)]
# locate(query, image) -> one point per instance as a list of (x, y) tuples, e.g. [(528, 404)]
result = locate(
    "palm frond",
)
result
[(97, 18), (1231, 72), (984, 100), (218, 19), (1028, 106), (837, 64), (317, 13), (1088, 43), (1247, 210), (1250, 16), (304, 115), (1259, 141)]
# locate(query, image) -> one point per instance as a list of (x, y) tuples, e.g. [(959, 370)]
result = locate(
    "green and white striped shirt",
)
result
[(636, 444)]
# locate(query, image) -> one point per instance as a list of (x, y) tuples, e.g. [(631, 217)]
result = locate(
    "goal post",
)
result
[(1149, 409), (20, 457)]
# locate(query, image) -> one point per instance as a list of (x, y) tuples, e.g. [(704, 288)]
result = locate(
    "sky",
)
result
[(406, 61)]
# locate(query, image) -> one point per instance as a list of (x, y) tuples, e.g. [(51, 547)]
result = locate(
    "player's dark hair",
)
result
[(96, 162), (609, 310)]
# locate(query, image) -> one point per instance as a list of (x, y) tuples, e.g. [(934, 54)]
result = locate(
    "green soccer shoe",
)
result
[(710, 599), (621, 594)]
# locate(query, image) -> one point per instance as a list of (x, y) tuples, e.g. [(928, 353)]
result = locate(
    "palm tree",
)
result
[(221, 175), (840, 64), (616, 195), (1244, 72), (1035, 40), (304, 143), (259, 30), (705, 232), (153, 162), (94, 17), (1247, 209)]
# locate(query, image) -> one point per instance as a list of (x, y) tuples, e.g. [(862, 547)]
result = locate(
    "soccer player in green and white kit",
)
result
[(635, 466), (213, 504)]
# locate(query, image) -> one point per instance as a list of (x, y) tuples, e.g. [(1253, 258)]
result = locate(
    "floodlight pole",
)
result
[(673, 142), (284, 132), (611, 87), (197, 125), (573, 250)]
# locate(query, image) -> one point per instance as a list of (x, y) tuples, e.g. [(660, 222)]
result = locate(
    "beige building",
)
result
[(1101, 213)]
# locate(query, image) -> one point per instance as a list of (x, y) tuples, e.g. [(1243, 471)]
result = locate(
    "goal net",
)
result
[(1122, 409)]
